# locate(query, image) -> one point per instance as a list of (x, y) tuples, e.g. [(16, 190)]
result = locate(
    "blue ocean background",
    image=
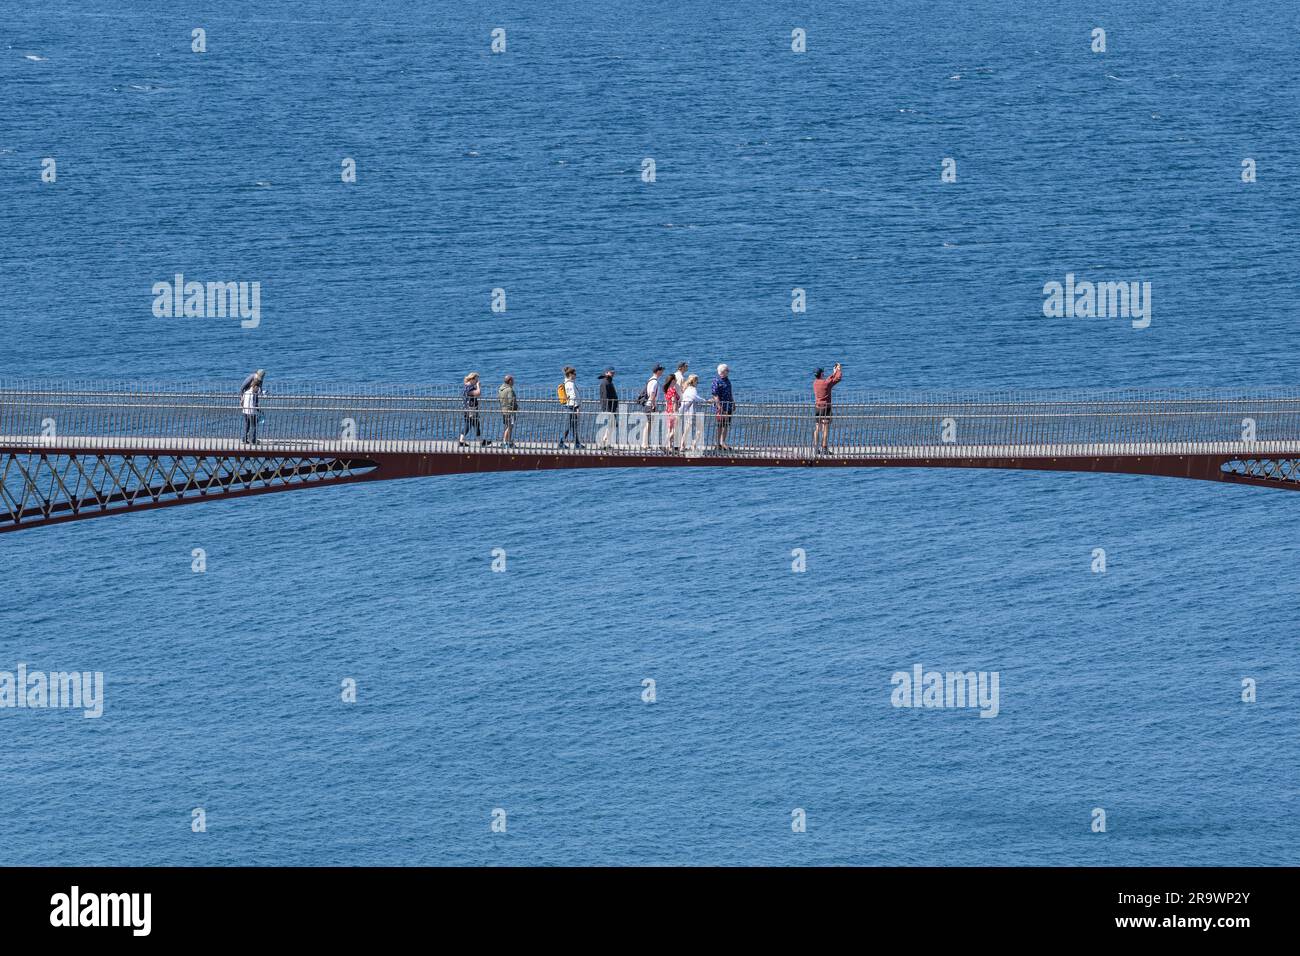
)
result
[(522, 690)]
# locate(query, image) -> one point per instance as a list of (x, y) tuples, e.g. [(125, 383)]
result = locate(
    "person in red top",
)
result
[(671, 400), (822, 395)]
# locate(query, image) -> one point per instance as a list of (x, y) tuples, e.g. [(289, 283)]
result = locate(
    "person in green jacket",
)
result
[(509, 409)]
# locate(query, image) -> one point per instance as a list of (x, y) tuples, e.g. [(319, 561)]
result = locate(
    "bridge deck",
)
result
[(194, 445)]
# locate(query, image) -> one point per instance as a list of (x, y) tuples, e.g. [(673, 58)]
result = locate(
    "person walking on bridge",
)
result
[(250, 397), (509, 403), (723, 404), (608, 406), (822, 396), (469, 394), (573, 405)]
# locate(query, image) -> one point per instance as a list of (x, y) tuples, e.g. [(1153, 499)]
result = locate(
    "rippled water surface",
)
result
[(522, 690)]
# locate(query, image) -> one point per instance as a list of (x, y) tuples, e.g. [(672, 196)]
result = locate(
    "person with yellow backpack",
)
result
[(567, 392)]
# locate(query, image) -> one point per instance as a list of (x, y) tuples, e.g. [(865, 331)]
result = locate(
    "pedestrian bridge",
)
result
[(74, 450)]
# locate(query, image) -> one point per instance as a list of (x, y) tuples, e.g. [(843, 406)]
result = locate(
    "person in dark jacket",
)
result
[(724, 404), (608, 403), (469, 394), (250, 397)]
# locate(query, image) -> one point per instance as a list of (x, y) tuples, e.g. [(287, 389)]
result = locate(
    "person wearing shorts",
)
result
[(723, 404), (822, 398), (509, 403)]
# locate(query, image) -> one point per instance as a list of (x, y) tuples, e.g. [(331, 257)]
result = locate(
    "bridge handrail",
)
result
[(199, 412), (229, 403), (11, 389)]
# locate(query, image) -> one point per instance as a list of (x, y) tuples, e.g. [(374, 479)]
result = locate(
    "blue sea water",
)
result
[(774, 170)]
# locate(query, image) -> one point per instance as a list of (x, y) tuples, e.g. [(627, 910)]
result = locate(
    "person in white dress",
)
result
[(690, 417)]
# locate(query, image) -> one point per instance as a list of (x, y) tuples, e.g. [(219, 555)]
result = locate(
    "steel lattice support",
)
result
[(47, 486), (38, 488), (1285, 470)]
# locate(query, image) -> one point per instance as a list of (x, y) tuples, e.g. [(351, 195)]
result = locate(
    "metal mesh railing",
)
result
[(200, 416)]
